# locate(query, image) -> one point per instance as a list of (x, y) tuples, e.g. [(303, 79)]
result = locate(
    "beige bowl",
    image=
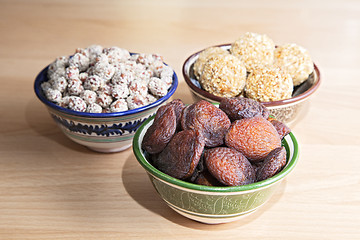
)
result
[(288, 111)]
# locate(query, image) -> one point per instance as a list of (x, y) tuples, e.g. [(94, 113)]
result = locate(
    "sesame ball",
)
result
[(254, 49), (269, 84), (203, 57), (296, 60), (223, 76)]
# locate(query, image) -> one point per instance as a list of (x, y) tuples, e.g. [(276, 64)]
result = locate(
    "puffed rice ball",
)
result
[(223, 76), (254, 49), (203, 57), (296, 60), (269, 84)]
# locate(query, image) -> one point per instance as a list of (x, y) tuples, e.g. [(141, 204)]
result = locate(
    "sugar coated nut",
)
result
[(223, 75), (77, 104), (296, 60), (255, 50), (107, 75), (157, 87), (269, 84), (254, 137)]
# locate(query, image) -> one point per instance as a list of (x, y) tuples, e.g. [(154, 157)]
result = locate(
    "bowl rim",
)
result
[(226, 189), (201, 92), (42, 77)]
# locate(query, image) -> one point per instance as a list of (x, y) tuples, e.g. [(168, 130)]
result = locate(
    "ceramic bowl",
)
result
[(207, 204), (102, 132), (288, 111)]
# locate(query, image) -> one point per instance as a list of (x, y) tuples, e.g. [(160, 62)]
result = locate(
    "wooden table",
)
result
[(51, 188)]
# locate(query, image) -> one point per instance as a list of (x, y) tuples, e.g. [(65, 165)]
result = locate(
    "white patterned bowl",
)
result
[(102, 132), (207, 204)]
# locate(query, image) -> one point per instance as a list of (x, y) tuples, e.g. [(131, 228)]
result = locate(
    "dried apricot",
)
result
[(240, 107), (207, 118), (178, 106), (160, 132), (280, 127), (229, 166), (254, 137), (205, 178), (181, 156), (272, 164)]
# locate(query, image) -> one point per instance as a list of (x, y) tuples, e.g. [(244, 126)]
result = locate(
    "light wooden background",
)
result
[(51, 188)]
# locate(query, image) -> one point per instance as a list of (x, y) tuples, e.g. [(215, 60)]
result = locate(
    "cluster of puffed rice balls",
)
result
[(103, 80), (253, 67)]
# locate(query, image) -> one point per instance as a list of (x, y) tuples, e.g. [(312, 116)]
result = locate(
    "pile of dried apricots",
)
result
[(234, 144)]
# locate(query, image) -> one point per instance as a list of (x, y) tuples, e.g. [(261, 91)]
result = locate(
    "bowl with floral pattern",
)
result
[(213, 204), (101, 132)]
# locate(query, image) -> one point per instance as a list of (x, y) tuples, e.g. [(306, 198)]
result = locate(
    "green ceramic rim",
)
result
[(155, 172)]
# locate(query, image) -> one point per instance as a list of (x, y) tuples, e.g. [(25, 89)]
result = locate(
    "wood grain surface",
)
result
[(52, 188)]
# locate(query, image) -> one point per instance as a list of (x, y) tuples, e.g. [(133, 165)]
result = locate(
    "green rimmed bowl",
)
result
[(213, 205)]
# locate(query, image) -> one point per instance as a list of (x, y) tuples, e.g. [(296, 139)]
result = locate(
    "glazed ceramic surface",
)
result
[(102, 132), (213, 204), (288, 111)]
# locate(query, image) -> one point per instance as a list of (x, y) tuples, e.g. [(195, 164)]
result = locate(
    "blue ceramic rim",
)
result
[(42, 77), (150, 169)]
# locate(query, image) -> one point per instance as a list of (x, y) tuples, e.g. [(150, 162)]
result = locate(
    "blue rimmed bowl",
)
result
[(207, 204), (101, 132)]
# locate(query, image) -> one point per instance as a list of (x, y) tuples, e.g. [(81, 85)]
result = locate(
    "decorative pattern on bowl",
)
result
[(213, 204), (287, 111), (102, 132)]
